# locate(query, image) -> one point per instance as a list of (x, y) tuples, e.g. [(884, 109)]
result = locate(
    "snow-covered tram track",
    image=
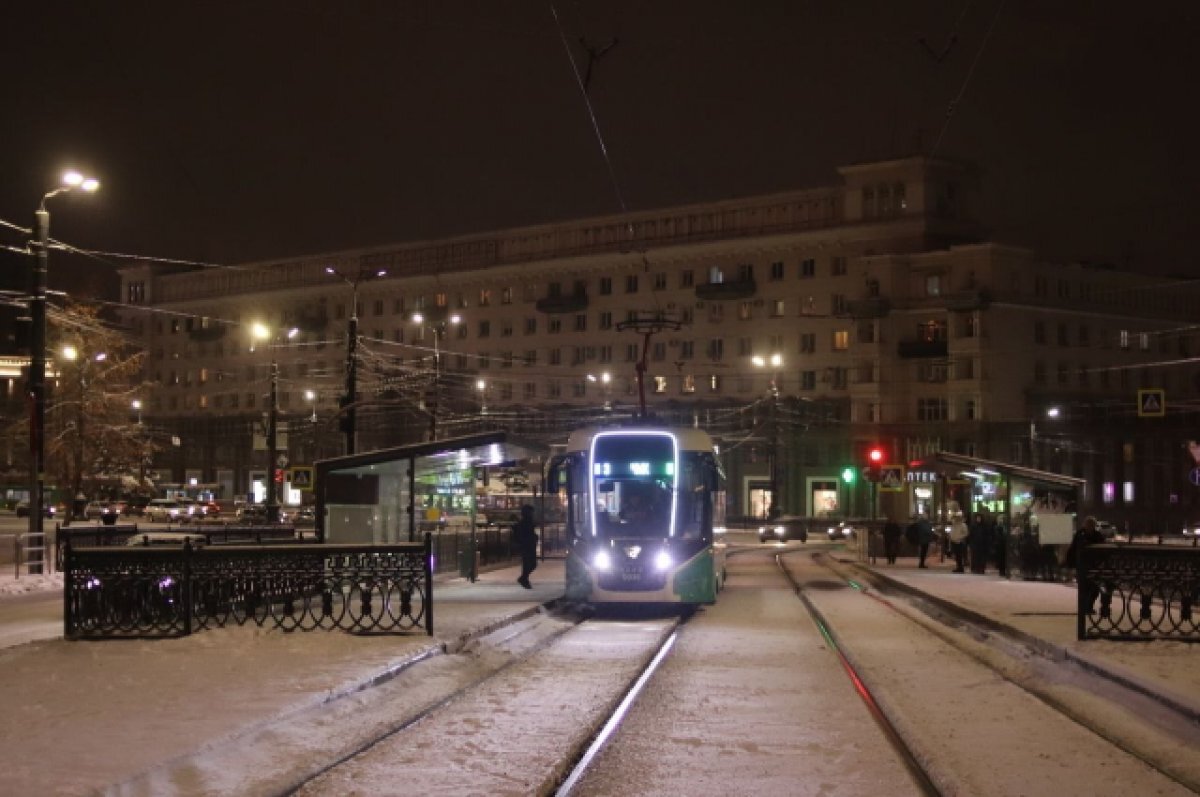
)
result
[(1162, 745), (901, 748)]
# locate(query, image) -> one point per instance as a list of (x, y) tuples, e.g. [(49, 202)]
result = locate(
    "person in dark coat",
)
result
[(1088, 534), (525, 539), (980, 541), (891, 540), (924, 538)]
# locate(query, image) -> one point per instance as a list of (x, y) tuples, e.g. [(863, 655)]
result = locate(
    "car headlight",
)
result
[(779, 531), (663, 560), (602, 560)]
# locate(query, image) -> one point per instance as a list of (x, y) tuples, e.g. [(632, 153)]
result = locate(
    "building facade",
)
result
[(799, 328)]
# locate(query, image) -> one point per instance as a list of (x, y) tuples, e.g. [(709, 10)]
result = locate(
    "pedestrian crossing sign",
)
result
[(301, 478), (1152, 403), (891, 478)]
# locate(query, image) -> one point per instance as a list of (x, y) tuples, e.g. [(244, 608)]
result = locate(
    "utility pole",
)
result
[(273, 484), (37, 389), (349, 420)]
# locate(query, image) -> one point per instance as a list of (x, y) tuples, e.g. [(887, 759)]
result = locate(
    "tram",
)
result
[(642, 506)]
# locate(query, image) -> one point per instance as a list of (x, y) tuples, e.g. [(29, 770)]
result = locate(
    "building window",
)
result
[(808, 342), (716, 348), (660, 281), (866, 332), (687, 278), (714, 383), (933, 284), (745, 272), (745, 347), (841, 339), (932, 409), (970, 410), (530, 390), (631, 283), (605, 286), (777, 270), (1064, 373), (555, 356), (631, 352), (506, 296), (778, 308), (605, 354), (554, 325), (485, 329), (1063, 336), (745, 311), (579, 389), (530, 357), (506, 328), (837, 304), (808, 380), (686, 350), (581, 322), (660, 384), (530, 326), (808, 268), (716, 312), (606, 320), (838, 266)]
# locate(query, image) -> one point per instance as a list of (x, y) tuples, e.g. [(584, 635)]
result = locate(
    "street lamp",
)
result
[(481, 386), (605, 379), (438, 328), (311, 397), (349, 419), (274, 484), (773, 361), (37, 361)]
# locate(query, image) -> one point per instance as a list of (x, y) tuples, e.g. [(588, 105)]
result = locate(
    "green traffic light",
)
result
[(848, 475)]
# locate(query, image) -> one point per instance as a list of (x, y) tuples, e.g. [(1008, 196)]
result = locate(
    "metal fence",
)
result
[(492, 546), (1138, 592), (170, 591)]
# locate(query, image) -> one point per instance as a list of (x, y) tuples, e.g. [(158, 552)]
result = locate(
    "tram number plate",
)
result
[(631, 574)]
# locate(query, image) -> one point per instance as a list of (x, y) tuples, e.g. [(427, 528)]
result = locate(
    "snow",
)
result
[(750, 701), (24, 585)]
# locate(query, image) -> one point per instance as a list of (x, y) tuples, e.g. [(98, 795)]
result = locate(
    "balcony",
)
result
[(727, 291), (874, 307), (965, 301), (910, 349), (563, 303)]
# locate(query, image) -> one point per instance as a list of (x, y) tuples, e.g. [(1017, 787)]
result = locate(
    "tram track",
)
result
[(1023, 663)]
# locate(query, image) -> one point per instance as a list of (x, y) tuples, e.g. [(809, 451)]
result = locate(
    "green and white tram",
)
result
[(642, 508)]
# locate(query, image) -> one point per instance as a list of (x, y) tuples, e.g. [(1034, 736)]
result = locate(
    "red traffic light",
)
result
[(875, 455)]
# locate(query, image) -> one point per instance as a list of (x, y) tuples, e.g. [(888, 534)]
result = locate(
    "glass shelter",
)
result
[(398, 494)]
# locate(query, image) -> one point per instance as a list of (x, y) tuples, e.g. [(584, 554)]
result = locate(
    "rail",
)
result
[(149, 591), (1138, 592)]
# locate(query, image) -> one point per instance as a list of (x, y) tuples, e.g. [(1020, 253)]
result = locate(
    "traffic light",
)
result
[(875, 457), (849, 475)]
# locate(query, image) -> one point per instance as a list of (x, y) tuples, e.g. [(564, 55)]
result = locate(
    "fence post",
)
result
[(428, 583), (68, 587), (1082, 577), (187, 587)]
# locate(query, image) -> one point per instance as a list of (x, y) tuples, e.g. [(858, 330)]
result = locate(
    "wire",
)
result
[(950, 109)]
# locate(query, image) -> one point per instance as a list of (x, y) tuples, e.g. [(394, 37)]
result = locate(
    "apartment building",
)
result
[(798, 327)]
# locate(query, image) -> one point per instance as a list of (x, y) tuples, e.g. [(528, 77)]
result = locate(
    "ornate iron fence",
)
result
[(171, 591), (1138, 592)]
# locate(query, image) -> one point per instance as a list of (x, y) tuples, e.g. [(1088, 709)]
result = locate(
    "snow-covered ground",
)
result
[(750, 702)]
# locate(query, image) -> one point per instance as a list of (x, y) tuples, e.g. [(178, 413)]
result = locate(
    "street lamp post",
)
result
[(438, 328), (349, 419), (37, 362), (774, 361), (274, 483), (136, 404)]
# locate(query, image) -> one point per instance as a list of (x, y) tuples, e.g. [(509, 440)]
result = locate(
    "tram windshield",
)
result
[(638, 493)]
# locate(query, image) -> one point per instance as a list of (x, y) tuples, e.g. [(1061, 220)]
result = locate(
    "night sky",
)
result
[(230, 132)]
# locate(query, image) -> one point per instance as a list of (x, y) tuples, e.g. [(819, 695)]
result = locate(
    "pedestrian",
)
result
[(891, 540), (1000, 534), (958, 541), (980, 541), (1088, 534), (525, 539), (924, 538)]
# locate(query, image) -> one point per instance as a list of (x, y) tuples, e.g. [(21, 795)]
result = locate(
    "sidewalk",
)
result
[(1046, 612)]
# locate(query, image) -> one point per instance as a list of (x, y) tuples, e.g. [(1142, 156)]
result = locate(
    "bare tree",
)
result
[(94, 434)]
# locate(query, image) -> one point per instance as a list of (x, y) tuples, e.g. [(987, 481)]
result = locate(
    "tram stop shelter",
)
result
[(397, 494), (1034, 510)]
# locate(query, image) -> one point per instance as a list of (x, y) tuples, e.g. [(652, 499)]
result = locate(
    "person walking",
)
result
[(924, 538), (1000, 533), (891, 540), (958, 541), (1088, 534), (525, 539)]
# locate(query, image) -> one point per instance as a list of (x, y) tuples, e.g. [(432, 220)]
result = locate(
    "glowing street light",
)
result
[(262, 332), (438, 328), (36, 389)]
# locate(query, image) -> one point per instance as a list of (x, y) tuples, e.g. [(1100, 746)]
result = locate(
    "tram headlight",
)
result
[(602, 560), (663, 560)]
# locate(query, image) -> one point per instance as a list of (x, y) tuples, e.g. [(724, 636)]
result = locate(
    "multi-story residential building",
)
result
[(894, 322)]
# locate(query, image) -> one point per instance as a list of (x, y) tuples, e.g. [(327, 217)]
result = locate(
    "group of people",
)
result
[(977, 542)]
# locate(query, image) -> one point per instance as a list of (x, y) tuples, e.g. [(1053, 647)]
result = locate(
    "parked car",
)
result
[(165, 510), (252, 513), (96, 510), (22, 509)]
